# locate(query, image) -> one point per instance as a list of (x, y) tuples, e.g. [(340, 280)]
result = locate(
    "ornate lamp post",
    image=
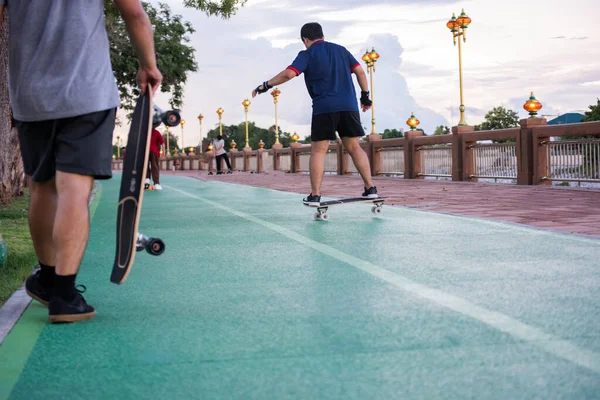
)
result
[(261, 144), (458, 27), (295, 137), (532, 106), (232, 144), (200, 118), (168, 146), (413, 122), (370, 58), (220, 111), (182, 144), (246, 103), (275, 93), (118, 146)]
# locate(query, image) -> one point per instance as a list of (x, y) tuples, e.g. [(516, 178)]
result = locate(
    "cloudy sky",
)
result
[(513, 47)]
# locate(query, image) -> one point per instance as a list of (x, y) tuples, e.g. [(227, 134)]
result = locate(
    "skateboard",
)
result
[(135, 166), (322, 215)]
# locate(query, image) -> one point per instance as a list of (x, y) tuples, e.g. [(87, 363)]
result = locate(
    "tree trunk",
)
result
[(12, 178)]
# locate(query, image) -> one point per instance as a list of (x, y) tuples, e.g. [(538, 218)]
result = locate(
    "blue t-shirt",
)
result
[(327, 69)]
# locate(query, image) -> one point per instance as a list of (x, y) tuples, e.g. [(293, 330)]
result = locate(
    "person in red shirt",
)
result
[(156, 145)]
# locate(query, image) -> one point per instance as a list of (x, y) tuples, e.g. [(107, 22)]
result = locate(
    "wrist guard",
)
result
[(364, 99), (265, 86)]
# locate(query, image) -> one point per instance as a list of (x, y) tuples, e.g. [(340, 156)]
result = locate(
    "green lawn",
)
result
[(21, 256)]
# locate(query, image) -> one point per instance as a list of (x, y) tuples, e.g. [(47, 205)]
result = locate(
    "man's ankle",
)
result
[(64, 286)]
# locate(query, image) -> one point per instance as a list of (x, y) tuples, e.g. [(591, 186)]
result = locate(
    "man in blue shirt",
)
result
[(328, 70)]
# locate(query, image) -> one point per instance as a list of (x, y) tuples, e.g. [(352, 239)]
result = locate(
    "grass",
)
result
[(21, 256)]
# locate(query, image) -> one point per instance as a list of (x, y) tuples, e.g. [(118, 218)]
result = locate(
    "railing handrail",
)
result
[(579, 129), (494, 134), (431, 140)]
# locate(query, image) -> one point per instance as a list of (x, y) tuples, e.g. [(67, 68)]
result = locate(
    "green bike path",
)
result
[(252, 299)]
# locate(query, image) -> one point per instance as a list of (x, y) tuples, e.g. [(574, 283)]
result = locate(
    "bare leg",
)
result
[(72, 223), (42, 211), (360, 159), (317, 165)]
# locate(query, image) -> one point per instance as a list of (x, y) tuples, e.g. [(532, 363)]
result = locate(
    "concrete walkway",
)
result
[(571, 210)]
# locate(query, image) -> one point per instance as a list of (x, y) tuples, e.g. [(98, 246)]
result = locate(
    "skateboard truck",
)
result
[(153, 246)]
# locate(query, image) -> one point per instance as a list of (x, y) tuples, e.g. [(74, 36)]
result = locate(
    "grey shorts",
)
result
[(80, 145)]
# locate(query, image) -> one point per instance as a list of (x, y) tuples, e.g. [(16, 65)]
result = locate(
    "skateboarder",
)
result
[(64, 98), (328, 70), (156, 146)]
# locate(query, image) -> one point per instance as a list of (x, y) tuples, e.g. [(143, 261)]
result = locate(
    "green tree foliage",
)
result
[(392, 133), (255, 135), (441, 130), (594, 113), (499, 118), (175, 58), (223, 8)]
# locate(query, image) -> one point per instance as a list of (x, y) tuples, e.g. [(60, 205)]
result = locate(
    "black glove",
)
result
[(364, 99), (265, 86)]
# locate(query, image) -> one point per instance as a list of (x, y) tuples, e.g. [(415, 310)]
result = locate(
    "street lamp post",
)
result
[(458, 27), (220, 111), (182, 144), (413, 122), (168, 144), (200, 118), (246, 103), (275, 93), (118, 146), (370, 58)]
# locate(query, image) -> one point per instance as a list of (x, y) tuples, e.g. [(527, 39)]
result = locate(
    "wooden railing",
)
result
[(529, 155)]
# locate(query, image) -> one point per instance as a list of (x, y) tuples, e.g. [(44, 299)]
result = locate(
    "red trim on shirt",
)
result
[(354, 66), (294, 69)]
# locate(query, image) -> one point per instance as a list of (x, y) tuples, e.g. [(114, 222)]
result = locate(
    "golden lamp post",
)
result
[(532, 106), (295, 137), (220, 111), (413, 122), (371, 57), (232, 144), (182, 144), (118, 146), (458, 27), (246, 103), (200, 118), (168, 146), (275, 93)]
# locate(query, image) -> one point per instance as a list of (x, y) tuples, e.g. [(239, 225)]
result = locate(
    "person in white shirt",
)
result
[(219, 145)]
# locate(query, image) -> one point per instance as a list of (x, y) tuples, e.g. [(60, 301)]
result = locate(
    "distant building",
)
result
[(568, 118)]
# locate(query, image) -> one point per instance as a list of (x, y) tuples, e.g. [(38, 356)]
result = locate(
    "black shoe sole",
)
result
[(71, 317), (33, 296)]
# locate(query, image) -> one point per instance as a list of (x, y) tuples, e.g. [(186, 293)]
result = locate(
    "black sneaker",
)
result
[(36, 290), (77, 309), (311, 200), (370, 193)]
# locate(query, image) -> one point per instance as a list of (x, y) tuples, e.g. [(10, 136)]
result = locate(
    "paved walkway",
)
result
[(253, 299), (572, 210)]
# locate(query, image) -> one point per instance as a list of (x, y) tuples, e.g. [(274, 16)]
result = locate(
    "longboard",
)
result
[(322, 208), (135, 166)]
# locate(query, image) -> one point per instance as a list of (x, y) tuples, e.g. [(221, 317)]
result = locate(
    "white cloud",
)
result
[(509, 52)]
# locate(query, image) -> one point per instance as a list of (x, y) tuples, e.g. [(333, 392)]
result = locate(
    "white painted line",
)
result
[(549, 343), (12, 310)]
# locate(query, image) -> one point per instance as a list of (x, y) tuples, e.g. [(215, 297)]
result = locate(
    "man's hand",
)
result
[(261, 89), (149, 76), (365, 102)]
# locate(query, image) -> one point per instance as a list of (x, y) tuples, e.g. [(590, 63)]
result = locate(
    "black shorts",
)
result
[(345, 123), (79, 145)]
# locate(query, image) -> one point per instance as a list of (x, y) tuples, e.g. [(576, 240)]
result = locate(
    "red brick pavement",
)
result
[(573, 210)]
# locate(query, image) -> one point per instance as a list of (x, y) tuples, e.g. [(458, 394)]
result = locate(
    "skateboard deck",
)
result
[(135, 166), (322, 208)]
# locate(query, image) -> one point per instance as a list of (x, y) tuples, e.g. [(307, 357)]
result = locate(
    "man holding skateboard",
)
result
[(328, 70), (64, 98)]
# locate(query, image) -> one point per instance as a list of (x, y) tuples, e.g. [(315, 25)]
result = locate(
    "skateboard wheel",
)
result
[(151, 188), (373, 209), (155, 247), (317, 216), (325, 217)]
